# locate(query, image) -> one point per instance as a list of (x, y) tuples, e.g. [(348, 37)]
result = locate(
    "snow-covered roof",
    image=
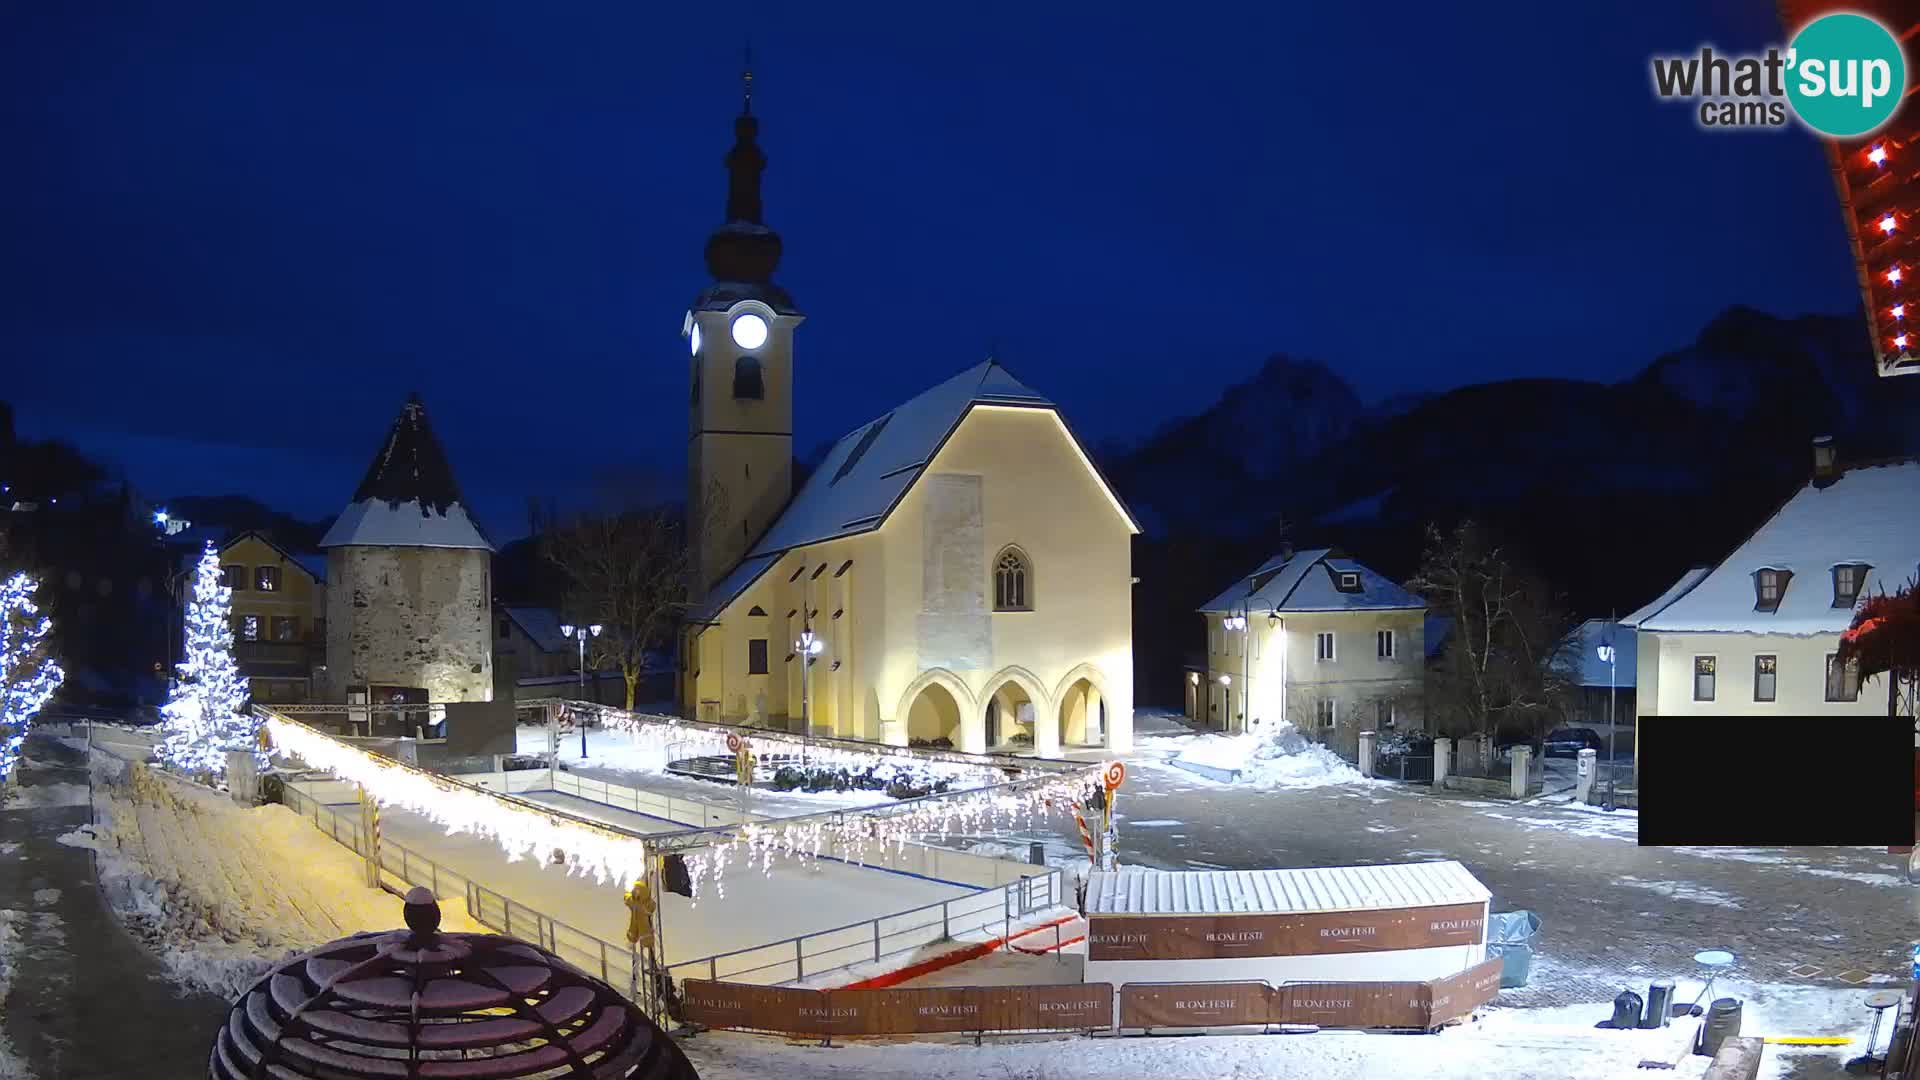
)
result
[(1674, 592), (1308, 581), (1581, 660), (375, 523), (408, 497), (540, 624), (872, 467), (1323, 888), (1869, 515)]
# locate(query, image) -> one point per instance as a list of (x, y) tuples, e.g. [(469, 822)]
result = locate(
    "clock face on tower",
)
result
[(749, 331), (693, 339)]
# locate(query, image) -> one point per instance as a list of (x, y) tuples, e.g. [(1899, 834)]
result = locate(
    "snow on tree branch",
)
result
[(205, 710), (28, 672)]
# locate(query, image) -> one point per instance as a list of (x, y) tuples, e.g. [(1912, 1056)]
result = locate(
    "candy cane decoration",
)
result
[(1086, 835)]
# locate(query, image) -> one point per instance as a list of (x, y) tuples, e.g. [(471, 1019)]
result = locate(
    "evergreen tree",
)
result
[(28, 672), (205, 709)]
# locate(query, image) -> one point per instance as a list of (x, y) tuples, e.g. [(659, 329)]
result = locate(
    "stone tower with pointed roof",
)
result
[(411, 579)]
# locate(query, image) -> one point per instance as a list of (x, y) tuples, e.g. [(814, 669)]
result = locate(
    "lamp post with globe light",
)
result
[(809, 646), (581, 634)]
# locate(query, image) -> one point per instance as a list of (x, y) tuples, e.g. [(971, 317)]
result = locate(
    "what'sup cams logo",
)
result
[(1842, 75)]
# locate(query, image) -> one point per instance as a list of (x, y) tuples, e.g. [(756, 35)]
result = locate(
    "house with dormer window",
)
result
[(1316, 639), (1758, 632)]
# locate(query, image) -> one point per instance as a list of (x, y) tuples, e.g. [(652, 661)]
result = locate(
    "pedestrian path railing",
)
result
[(407, 867), (823, 952)]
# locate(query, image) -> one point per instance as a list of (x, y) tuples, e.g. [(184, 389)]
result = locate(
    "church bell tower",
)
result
[(740, 404)]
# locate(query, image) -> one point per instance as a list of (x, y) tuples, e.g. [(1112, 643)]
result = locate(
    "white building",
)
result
[(1757, 633), (1316, 639), (955, 571)]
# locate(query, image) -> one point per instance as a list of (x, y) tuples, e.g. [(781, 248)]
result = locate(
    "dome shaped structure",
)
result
[(417, 1003)]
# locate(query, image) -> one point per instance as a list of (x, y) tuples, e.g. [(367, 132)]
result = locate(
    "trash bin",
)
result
[(1509, 937), (1722, 1023), (1626, 1010)]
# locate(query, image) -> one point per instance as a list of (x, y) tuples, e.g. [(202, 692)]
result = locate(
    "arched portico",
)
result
[(1016, 702), (1080, 707), (938, 705)]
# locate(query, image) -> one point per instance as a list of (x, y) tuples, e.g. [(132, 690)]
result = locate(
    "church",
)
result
[(956, 572)]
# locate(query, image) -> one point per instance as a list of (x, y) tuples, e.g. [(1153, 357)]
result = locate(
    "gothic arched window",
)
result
[(1012, 581), (746, 378)]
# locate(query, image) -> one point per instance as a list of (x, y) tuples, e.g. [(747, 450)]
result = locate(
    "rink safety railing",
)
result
[(810, 955)]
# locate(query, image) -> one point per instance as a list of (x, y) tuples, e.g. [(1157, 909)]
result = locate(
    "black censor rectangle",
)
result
[(1776, 781)]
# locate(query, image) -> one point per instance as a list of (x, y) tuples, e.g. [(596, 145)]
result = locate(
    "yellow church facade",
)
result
[(956, 572)]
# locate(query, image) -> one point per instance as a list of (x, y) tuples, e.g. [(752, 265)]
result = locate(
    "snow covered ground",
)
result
[(1277, 757), (11, 957), (221, 892)]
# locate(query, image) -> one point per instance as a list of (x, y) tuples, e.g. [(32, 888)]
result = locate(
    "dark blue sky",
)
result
[(234, 236)]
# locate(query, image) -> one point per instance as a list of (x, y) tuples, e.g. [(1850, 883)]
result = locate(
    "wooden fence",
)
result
[(1088, 1006)]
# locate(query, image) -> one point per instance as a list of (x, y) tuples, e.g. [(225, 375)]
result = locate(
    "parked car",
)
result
[(1569, 741)]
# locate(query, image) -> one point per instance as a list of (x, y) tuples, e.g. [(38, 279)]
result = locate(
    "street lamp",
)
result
[(581, 634), (1609, 657), (809, 646)]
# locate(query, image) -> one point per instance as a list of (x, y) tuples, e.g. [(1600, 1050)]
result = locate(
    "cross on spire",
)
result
[(746, 83)]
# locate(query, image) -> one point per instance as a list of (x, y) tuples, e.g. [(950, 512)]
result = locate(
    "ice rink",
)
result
[(758, 908)]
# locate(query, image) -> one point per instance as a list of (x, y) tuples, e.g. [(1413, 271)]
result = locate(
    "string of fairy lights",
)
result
[(979, 799)]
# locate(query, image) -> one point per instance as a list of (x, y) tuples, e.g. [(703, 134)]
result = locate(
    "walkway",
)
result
[(87, 1002)]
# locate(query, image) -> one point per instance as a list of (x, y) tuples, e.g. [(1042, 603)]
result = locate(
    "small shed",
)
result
[(1403, 921)]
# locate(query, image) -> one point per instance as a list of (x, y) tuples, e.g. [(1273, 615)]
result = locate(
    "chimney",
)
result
[(1826, 463)]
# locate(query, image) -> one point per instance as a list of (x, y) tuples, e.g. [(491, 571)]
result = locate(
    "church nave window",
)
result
[(1012, 581)]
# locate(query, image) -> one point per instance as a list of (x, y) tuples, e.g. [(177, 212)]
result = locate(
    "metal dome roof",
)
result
[(416, 1004)]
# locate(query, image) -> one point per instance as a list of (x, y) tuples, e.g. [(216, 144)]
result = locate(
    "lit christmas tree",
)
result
[(205, 709), (28, 672)]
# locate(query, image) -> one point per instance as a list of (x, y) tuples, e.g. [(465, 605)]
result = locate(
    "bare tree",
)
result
[(627, 572), (1498, 668)]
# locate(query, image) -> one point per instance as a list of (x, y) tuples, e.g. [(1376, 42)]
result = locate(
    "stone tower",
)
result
[(740, 331), (409, 579)]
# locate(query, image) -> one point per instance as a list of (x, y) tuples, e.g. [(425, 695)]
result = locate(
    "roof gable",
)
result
[(871, 468), (314, 566), (540, 625), (1304, 581), (1869, 515)]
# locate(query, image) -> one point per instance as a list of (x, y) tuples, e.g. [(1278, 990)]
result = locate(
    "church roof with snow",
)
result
[(1305, 581), (1867, 516), (871, 468), (408, 497)]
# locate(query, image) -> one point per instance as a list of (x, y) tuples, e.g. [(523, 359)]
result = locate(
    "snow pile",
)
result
[(221, 892), (44, 795), (11, 946), (1276, 757)]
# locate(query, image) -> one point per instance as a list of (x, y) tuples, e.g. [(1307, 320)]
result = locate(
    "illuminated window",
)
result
[(1012, 581), (266, 578), (1846, 584), (1765, 677), (1843, 680), (286, 628), (1703, 668), (249, 628)]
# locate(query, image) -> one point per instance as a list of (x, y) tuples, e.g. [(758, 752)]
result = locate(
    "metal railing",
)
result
[(408, 867), (616, 965), (872, 940)]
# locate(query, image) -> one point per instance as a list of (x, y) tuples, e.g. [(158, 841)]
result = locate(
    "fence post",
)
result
[(1366, 753), (799, 961), (1584, 775), (945, 928), (1517, 784), (1442, 758), (876, 940), (1006, 915)]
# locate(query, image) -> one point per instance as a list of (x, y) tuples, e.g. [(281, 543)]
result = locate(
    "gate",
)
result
[(1406, 767)]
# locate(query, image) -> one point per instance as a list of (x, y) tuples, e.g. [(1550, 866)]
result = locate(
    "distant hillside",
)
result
[(227, 514), (1612, 490)]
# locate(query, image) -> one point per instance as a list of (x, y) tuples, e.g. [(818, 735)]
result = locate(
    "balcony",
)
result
[(285, 659)]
